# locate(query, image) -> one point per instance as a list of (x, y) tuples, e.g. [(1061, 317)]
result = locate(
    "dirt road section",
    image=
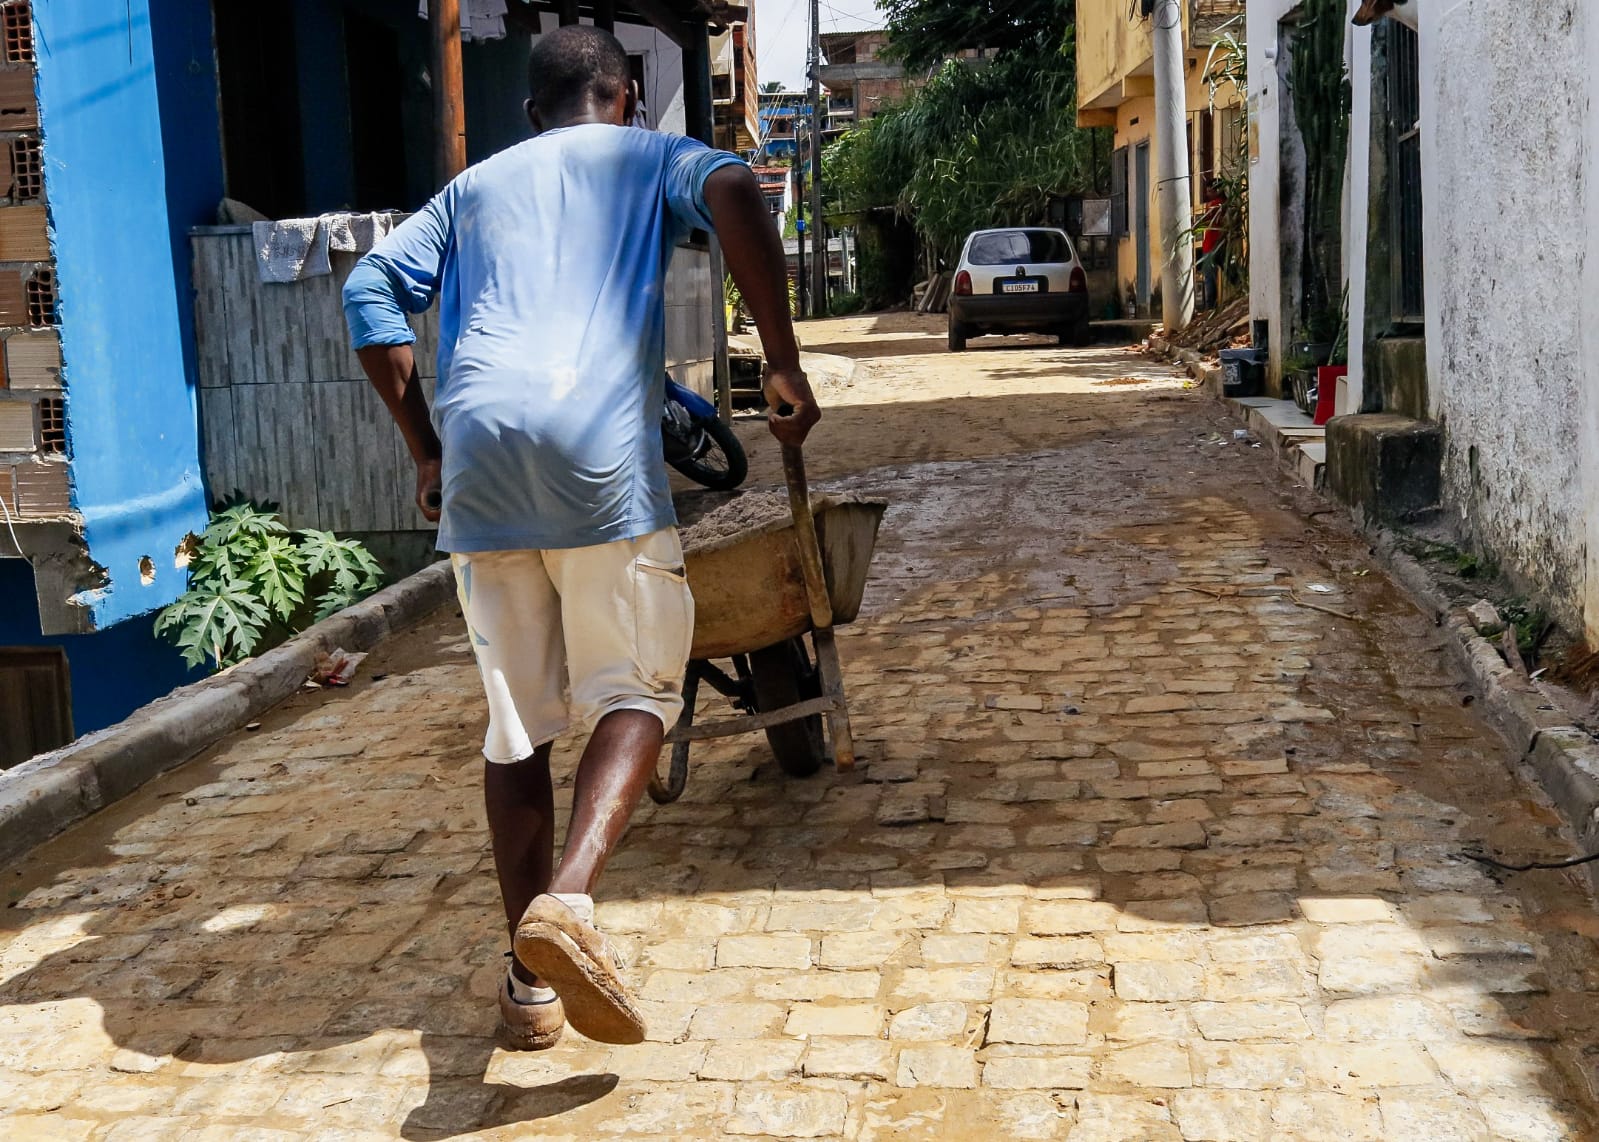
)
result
[(1155, 838)]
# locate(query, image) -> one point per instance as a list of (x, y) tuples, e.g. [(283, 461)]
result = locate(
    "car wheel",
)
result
[(957, 337), (1082, 334)]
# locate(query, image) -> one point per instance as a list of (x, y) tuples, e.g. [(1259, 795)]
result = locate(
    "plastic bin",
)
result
[(1243, 372)]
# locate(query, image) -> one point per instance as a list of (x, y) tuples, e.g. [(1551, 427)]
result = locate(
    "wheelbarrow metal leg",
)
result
[(664, 793), (838, 731)]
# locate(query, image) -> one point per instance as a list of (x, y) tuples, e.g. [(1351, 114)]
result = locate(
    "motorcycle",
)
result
[(698, 444)]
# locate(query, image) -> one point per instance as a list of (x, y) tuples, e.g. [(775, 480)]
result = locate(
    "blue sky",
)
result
[(780, 30)]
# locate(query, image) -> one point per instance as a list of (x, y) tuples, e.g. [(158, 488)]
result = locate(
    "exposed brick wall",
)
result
[(33, 472)]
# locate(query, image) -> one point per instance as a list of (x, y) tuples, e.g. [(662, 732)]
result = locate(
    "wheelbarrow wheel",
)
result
[(783, 676)]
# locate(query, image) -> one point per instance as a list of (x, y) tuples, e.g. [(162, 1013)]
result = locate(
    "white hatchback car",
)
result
[(1019, 280)]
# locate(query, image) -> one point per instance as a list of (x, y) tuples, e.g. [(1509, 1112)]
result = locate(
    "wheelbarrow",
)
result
[(767, 600)]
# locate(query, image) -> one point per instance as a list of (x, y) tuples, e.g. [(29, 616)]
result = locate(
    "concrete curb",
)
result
[(1208, 376), (46, 794), (1564, 758)]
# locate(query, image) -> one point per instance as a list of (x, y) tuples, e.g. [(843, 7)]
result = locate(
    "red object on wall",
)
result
[(1327, 377)]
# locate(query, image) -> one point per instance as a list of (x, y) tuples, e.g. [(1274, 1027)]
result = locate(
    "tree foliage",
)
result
[(923, 32), (976, 146)]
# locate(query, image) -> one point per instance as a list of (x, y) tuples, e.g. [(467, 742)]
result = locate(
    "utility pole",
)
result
[(449, 104), (1175, 194), (799, 231), (818, 227)]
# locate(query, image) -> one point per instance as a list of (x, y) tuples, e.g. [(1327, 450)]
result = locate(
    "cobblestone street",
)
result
[(1142, 846)]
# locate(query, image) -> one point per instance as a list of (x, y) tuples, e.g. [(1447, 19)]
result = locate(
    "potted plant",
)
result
[(1336, 369)]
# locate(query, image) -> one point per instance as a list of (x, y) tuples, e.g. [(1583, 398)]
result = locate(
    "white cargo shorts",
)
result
[(566, 637)]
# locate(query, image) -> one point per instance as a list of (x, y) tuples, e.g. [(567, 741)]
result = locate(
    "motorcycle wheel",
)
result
[(717, 460)]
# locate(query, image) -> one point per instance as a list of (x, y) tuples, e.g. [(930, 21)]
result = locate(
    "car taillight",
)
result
[(963, 284), (1079, 280)]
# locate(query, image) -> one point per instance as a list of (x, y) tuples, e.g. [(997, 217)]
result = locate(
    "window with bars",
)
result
[(27, 169), (1118, 193), (53, 425), (41, 293), (16, 25), (1404, 172)]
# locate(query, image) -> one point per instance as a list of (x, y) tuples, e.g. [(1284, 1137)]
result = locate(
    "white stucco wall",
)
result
[(663, 72), (1265, 238), (1588, 316), (1503, 153)]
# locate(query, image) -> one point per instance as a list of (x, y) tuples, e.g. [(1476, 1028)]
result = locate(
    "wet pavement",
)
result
[(1156, 836)]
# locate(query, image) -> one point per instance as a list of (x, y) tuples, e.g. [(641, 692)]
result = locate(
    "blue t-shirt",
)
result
[(549, 263)]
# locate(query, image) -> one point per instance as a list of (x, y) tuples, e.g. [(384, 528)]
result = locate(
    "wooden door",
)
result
[(35, 702)]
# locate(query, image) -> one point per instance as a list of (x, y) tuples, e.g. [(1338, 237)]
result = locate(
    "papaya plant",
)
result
[(253, 582)]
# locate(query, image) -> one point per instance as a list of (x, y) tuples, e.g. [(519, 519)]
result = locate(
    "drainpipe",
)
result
[(1171, 167)]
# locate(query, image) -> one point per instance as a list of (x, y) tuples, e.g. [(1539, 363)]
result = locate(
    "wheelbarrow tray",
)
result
[(749, 587)]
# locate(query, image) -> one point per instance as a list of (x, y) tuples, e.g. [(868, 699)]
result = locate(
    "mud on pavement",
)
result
[(1142, 847)]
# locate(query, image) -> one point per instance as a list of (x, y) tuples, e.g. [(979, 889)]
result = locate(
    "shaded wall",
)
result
[(133, 436), (1503, 149)]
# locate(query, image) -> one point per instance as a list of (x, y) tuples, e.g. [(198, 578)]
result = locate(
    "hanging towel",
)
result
[(294, 249), (291, 249), (480, 19)]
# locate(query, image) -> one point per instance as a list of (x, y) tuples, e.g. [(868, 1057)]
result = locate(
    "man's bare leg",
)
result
[(611, 777), (520, 800)]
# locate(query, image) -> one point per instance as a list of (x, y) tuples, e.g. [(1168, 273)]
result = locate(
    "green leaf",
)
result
[(349, 563), (332, 601), (278, 573), (242, 521), (222, 622)]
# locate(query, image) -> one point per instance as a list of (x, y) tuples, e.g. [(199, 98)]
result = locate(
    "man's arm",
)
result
[(753, 250), (392, 371), (401, 275)]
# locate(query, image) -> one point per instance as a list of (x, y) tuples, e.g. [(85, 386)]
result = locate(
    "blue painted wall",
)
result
[(113, 672), (132, 430), (191, 139)]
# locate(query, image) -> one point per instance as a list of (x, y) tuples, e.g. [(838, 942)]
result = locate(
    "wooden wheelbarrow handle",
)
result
[(799, 502)]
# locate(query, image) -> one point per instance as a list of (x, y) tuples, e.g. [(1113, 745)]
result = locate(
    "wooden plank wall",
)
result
[(286, 413)]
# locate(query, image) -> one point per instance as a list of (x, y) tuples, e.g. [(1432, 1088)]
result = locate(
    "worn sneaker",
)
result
[(530, 1026), (572, 957)]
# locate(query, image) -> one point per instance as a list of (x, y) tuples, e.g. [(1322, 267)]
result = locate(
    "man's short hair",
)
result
[(575, 64)]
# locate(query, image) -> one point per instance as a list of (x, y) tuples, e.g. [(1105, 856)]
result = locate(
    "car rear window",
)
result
[(1010, 247)]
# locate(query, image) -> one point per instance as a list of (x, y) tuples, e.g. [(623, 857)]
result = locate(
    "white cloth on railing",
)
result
[(293, 249), (480, 19)]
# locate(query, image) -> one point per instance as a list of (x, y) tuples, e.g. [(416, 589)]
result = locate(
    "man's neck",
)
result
[(586, 115)]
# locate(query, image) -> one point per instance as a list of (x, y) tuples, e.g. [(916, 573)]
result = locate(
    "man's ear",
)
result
[(533, 116)]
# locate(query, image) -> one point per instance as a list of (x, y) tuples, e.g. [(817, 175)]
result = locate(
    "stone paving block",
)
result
[(840, 1020), (1250, 1066), (1436, 1117), (1048, 1072), (1158, 981), (1161, 1065), (789, 1114), (1037, 1021), (787, 951), (1531, 1117), (1123, 1118), (1251, 1020), (929, 1022), (1222, 1115), (857, 1059), (1315, 1116), (736, 1021), (953, 1067)]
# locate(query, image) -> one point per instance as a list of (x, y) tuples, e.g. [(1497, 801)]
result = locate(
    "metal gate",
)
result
[(1404, 172)]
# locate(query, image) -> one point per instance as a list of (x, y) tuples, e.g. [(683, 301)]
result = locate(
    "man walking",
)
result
[(542, 463)]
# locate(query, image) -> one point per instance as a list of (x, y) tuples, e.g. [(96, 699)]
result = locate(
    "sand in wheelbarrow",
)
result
[(707, 519)]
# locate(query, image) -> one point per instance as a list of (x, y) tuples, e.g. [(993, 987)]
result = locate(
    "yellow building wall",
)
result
[(1111, 46), (1135, 123)]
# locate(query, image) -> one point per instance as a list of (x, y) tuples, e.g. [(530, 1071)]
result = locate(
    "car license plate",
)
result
[(1018, 287)]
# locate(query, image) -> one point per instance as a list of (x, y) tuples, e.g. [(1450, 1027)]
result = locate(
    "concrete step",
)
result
[(1296, 438)]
